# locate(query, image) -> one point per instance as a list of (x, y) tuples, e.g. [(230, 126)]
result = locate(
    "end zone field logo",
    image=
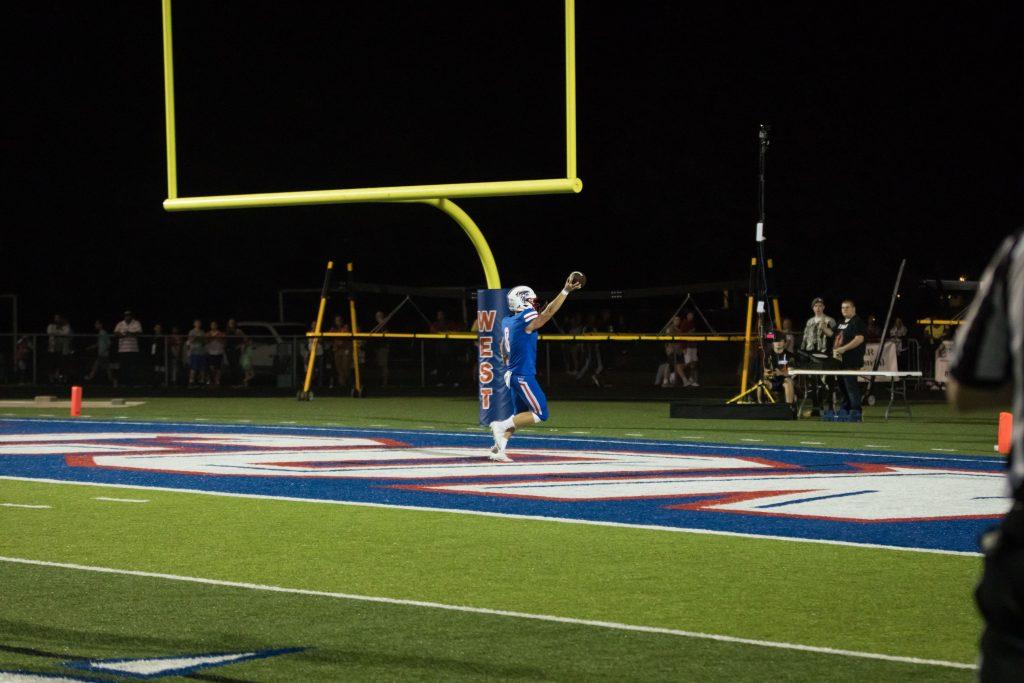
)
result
[(725, 488)]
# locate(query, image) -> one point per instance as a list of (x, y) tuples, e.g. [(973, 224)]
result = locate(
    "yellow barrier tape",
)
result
[(544, 337)]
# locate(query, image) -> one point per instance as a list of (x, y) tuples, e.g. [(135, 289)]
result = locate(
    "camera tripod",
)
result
[(759, 289)]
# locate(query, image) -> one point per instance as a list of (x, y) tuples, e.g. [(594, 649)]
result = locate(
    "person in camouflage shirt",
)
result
[(817, 338)]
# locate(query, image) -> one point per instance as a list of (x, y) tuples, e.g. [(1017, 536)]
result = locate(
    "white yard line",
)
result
[(812, 443), (22, 505), (502, 613)]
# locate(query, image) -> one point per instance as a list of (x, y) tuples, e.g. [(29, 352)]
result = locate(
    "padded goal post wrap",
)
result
[(495, 398)]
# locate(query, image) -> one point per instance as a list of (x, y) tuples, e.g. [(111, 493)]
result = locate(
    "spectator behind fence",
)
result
[(101, 364), (898, 334), (156, 348), (689, 326), (58, 349), (444, 354), (341, 351), (672, 369), (174, 356), (215, 347), (196, 345), (898, 337), (245, 360), (874, 329), (591, 363), (232, 352), (574, 351), (23, 359), (127, 333)]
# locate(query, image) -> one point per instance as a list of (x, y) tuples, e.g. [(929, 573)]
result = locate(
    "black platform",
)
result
[(723, 411)]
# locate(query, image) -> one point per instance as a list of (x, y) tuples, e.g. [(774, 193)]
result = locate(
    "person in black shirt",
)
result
[(848, 348), (778, 367), (988, 372)]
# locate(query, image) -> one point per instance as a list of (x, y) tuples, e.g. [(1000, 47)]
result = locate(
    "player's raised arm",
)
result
[(572, 283)]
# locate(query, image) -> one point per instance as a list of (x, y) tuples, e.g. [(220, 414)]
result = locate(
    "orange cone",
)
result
[(76, 401), (1005, 432)]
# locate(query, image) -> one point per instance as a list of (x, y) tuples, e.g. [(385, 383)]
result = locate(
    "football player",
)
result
[(518, 348)]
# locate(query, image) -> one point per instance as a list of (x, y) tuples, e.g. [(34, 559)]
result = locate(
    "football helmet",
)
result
[(520, 297)]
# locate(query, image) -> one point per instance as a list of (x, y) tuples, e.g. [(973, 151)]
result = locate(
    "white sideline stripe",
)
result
[(679, 444), (501, 613), (502, 515), (23, 505), (122, 500)]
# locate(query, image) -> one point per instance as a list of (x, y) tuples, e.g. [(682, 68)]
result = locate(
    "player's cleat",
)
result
[(499, 436), (498, 455)]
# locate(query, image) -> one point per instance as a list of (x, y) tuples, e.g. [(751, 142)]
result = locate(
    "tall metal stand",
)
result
[(760, 289)]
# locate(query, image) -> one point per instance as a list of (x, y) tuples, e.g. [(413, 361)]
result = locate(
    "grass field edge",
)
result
[(495, 612)]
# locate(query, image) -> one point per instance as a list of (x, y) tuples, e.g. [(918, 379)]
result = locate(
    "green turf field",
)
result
[(658, 595), (932, 426)]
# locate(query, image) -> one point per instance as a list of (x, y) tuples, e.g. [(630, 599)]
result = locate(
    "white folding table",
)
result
[(897, 383)]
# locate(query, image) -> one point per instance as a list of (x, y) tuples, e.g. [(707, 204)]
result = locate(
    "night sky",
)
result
[(895, 133)]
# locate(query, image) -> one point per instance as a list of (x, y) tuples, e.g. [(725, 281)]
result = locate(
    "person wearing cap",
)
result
[(818, 330), (778, 367), (817, 339)]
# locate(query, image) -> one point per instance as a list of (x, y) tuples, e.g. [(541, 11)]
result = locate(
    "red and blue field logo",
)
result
[(894, 499)]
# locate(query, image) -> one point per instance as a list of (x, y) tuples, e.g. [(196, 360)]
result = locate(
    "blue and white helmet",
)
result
[(520, 297)]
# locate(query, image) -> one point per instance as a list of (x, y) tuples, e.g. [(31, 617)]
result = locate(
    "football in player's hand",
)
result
[(578, 278)]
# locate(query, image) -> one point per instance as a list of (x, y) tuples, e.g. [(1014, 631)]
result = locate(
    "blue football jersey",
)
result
[(520, 345)]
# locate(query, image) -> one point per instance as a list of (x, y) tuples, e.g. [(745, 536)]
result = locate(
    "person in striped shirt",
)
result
[(988, 371)]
